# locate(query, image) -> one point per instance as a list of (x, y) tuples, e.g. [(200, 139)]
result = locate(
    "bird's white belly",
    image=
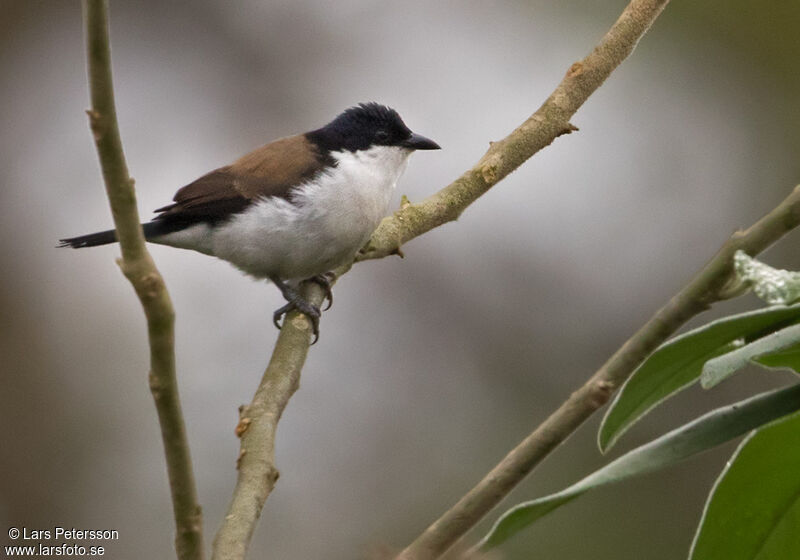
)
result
[(274, 238), (327, 221)]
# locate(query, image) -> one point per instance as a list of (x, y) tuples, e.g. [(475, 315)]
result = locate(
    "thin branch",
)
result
[(550, 121), (139, 269), (715, 282), (258, 423)]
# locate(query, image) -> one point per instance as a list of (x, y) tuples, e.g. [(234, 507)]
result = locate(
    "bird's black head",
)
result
[(367, 125)]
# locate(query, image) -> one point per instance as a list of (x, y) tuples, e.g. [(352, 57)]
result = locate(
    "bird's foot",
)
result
[(297, 303), (324, 281)]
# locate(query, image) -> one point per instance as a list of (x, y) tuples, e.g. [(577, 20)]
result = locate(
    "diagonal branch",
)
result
[(138, 267), (715, 282), (550, 121)]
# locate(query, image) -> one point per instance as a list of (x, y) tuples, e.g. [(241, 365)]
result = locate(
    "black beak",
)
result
[(419, 142)]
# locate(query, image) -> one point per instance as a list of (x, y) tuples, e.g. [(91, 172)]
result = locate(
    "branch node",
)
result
[(150, 285), (738, 235), (601, 392), (568, 129), (489, 173), (575, 70), (272, 475), (95, 124), (155, 384), (242, 426)]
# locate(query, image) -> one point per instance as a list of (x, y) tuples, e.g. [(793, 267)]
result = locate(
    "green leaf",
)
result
[(785, 359), (714, 428), (722, 367), (753, 512), (678, 363)]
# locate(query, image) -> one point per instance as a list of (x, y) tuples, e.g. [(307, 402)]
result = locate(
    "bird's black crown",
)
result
[(362, 126)]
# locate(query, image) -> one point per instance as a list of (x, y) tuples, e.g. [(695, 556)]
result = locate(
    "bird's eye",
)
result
[(381, 136)]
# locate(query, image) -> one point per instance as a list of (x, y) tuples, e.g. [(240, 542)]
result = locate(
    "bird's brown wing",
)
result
[(272, 170)]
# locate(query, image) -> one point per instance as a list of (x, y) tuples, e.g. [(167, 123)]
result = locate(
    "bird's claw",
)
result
[(324, 281), (312, 312), (296, 302)]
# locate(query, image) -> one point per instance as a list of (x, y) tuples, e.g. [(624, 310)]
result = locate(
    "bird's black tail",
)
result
[(91, 240), (152, 229)]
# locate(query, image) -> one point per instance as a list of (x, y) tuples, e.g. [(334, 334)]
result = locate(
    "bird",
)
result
[(293, 210)]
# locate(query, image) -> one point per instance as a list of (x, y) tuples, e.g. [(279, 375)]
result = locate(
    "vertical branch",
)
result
[(139, 268)]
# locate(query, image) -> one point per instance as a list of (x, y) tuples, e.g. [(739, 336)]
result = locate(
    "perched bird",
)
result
[(292, 210)]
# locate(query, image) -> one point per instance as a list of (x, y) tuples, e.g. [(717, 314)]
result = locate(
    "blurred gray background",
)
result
[(430, 368)]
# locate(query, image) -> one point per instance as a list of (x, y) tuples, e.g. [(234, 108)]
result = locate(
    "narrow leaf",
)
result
[(714, 428), (785, 359), (679, 362), (753, 513), (722, 367)]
